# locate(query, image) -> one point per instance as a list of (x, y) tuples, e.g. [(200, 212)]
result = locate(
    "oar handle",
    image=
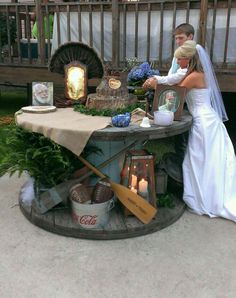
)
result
[(91, 167)]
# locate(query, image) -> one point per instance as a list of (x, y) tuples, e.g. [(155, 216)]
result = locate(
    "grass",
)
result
[(12, 101)]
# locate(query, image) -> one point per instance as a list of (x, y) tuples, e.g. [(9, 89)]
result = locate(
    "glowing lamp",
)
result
[(75, 81)]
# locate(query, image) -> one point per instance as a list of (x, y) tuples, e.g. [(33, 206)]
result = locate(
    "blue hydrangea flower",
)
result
[(145, 67), (140, 73), (153, 72), (136, 74)]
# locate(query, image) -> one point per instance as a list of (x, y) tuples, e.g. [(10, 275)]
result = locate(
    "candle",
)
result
[(143, 186), (134, 180), (133, 189)]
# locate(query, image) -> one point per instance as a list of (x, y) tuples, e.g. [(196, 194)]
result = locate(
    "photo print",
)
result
[(42, 93)]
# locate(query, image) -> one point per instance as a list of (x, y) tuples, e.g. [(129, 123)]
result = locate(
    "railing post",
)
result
[(115, 33), (203, 22), (40, 27)]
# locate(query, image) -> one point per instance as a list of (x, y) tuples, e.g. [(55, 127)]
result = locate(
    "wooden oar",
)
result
[(132, 201), (106, 162)]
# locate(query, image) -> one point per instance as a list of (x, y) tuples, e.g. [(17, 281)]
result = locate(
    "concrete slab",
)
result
[(194, 257)]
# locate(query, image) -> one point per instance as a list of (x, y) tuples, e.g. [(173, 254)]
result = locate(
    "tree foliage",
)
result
[(4, 28)]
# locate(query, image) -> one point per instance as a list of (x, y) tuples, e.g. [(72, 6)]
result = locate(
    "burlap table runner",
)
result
[(65, 126)]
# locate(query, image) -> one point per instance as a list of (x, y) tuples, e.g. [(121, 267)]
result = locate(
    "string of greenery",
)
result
[(107, 112)]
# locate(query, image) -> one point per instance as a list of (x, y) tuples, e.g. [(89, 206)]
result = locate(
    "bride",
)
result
[(209, 166)]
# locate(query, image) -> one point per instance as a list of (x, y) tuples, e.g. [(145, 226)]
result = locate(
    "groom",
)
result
[(172, 163), (181, 33)]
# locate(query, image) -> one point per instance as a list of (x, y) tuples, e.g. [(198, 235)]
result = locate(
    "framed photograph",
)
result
[(42, 94), (169, 98)]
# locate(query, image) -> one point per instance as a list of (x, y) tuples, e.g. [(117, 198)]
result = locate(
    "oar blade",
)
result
[(143, 210)]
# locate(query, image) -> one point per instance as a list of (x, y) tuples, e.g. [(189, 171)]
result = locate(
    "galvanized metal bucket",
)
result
[(91, 216)]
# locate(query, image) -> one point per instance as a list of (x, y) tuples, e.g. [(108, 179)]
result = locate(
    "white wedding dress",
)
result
[(209, 166)]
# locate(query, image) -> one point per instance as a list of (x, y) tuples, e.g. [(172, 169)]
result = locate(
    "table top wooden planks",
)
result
[(134, 131)]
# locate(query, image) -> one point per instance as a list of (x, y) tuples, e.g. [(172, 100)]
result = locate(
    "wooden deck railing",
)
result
[(142, 16)]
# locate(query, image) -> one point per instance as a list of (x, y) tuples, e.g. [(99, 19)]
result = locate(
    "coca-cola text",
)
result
[(88, 220)]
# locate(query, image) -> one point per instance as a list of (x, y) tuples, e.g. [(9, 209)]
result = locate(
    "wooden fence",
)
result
[(109, 25)]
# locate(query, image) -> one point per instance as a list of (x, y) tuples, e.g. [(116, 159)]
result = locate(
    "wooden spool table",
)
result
[(59, 220)]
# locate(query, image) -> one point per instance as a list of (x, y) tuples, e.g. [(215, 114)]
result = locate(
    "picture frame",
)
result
[(42, 94), (169, 98)]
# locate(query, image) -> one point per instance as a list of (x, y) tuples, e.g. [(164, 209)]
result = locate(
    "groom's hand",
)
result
[(150, 83)]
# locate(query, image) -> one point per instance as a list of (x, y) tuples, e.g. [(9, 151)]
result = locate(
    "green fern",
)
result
[(46, 161)]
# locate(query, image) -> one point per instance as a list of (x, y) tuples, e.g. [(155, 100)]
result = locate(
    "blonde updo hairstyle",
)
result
[(188, 50)]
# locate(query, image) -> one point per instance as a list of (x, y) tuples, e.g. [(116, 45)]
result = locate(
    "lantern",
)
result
[(75, 81), (138, 175)]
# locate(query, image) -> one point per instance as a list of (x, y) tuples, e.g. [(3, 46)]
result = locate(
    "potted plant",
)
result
[(138, 75)]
